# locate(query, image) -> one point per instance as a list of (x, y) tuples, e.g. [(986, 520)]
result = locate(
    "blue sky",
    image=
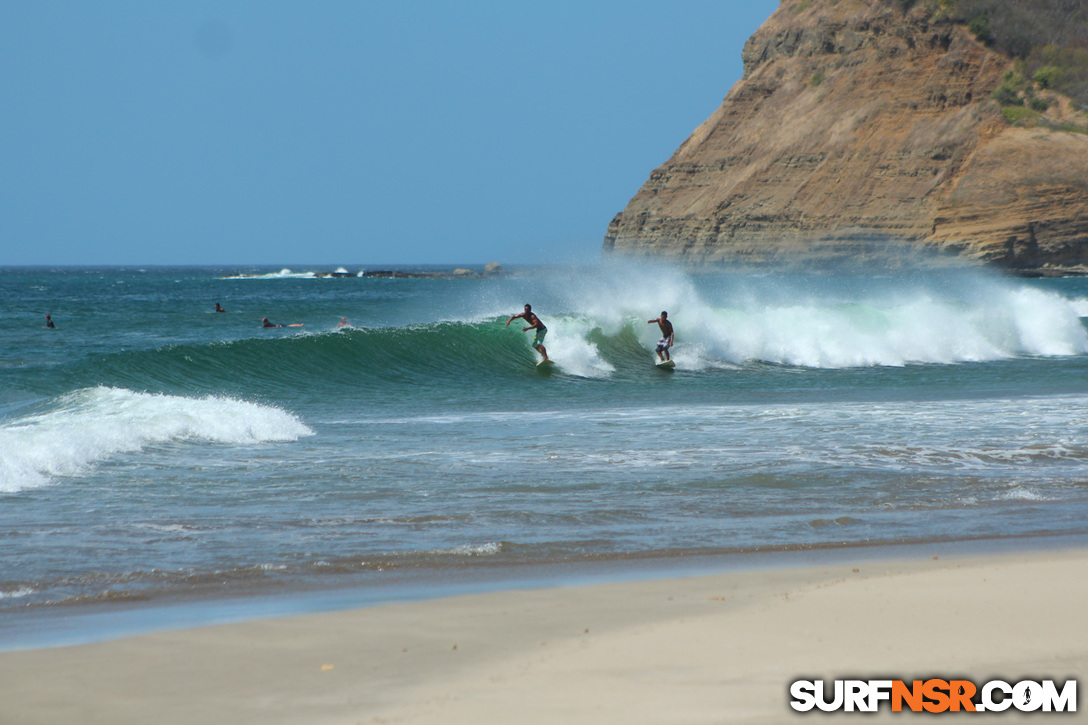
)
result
[(345, 133)]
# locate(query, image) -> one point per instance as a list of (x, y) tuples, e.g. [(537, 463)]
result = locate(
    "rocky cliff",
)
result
[(859, 127)]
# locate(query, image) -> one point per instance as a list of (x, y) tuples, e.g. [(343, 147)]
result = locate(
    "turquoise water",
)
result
[(151, 450)]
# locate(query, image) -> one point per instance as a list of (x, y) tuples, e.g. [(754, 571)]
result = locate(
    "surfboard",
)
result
[(666, 365), (545, 363)]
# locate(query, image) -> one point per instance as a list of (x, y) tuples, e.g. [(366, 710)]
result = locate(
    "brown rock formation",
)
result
[(858, 125)]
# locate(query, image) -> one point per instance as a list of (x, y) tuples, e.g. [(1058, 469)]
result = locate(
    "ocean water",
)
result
[(152, 451)]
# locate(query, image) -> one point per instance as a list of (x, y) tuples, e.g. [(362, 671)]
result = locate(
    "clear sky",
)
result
[(266, 132)]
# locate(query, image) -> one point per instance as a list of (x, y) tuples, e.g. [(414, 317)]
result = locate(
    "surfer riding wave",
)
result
[(534, 324)]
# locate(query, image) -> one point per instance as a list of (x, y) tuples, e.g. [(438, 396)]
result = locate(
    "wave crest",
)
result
[(95, 424), (830, 322)]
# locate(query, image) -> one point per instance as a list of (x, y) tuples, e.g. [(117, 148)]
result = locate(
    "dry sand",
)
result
[(709, 649)]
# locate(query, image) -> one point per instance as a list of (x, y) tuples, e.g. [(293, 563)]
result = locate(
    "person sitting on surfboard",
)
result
[(266, 323), (219, 308), (665, 342), (534, 324)]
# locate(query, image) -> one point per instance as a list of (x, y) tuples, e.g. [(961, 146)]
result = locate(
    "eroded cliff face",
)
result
[(857, 126)]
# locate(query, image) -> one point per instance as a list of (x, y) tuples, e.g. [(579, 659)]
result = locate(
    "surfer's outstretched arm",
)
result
[(526, 315)]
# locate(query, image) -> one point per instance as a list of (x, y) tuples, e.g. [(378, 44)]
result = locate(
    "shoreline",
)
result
[(91, 622), (696, 648)]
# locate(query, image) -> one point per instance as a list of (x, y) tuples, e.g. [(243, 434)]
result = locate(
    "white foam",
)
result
[(1080, 305), (16, 593), (491, 548), (96, 424), (1023, 494), (568, 341), (284, 273), (824, 323)]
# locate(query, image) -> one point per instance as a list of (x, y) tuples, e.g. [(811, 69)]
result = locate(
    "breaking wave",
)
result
[(597, 329), (95, 424)]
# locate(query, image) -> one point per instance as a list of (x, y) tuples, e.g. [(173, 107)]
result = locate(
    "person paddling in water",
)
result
[(266, 323), (534, 324), (666, 340)]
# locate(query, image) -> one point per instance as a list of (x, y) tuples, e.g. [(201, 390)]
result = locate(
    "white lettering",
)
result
[(821, 699), (804, 695), (997, 705), (1027, 696), (994, 696), (879, 690), (856, 695), (1066, 701)]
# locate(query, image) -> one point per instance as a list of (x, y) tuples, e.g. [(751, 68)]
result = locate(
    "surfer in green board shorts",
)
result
[(534, 324), (667, 337)]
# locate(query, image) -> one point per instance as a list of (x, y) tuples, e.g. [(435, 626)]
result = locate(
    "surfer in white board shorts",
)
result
[(667, 337), (534, 324)]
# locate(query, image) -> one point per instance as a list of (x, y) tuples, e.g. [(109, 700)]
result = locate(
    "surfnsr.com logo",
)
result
[(933, 695)]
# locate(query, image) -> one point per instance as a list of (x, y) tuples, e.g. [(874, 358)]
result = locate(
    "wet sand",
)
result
[(705, 649)]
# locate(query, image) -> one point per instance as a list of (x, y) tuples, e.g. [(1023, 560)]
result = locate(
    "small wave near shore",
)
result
[(95, 424)]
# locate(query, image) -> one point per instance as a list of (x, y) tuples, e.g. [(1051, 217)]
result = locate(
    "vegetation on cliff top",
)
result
[(1049, 38)]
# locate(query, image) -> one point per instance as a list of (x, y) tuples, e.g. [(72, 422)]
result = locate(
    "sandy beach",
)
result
[(706, 649)]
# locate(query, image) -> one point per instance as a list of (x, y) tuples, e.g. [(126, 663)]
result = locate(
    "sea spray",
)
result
[(1080, 306), (568, 341), (95, 424), (829, 321)]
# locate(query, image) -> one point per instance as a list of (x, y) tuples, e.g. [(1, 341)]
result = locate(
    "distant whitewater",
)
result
[(151, 448), (287, 273)]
